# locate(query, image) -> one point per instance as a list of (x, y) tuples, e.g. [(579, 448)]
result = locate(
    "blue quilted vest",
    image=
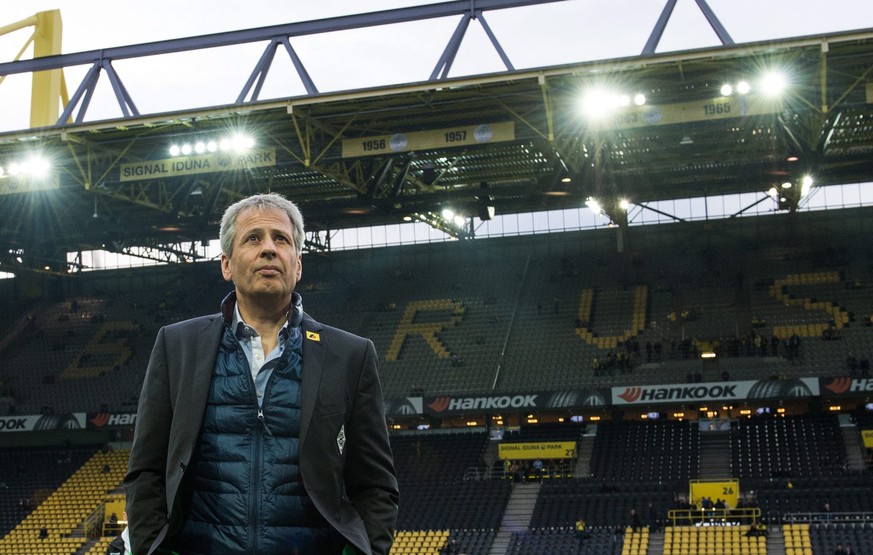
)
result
[(246, 493)]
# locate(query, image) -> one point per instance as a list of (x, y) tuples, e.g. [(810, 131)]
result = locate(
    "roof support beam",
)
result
[(275, 34), (661, 25)]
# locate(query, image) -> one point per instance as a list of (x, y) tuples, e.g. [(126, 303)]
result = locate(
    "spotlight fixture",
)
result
[(236, 143), (773, 83), (805, 185), (593, 205), (34, 167)]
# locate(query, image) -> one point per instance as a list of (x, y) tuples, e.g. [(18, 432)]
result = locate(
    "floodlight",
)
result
[(624, 100), (241, 143), (624, 204), (211, 146), (743, 87), (38, 167), (448, 214), (200, 147), (786, 185), (186, 149), (773, 192), (14, 169), (593, 205), (2, 171), (773, 83), (459, 221), (597, 103), (224, 145), (175, 150), (806, 185), (727, 90), (640, 99)]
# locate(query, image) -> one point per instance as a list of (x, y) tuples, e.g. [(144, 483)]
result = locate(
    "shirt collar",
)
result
[(232, 318)]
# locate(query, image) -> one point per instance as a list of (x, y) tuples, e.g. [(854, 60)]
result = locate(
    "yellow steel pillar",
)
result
[(48, 88)]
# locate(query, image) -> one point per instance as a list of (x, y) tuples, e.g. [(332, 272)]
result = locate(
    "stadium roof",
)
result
[(515, 140)]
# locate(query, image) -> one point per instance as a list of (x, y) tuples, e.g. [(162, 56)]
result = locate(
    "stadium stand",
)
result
[(552, 303), (544, 310), (56, 524)]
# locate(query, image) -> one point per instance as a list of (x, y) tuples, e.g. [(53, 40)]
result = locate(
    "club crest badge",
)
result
[(341, 438)]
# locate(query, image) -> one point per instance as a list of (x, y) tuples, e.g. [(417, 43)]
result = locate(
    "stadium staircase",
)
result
[(855, 459), (517, 516), (656, 544), (776, 541), (583, 455), (715, 455)]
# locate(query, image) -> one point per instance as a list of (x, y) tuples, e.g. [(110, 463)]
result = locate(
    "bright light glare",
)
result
[(774, 83), (2, 171), (806, 185), (773, 192), (38, 167), (598, 103), (459, 221), (786, 185), (743, 87), (14, 169), (593, 205), (186, 149), (624, 204), (640, 99), (727, 90), (448, 214), (224, 145), (624, 100), (200, 148), (175, 150), (241, 143), (211, 146)]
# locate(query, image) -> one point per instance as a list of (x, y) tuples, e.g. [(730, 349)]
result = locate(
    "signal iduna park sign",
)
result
[(204, 163)]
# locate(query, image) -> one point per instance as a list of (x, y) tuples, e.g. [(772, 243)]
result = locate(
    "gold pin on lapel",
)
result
[(313, 336)]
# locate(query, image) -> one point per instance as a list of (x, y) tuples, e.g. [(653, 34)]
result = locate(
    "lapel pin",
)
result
[(311, 335)]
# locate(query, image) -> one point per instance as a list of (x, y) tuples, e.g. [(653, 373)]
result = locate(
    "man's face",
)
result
[(264, 264)]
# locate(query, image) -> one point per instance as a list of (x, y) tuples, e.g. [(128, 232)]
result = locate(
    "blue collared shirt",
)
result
[(252, 345)]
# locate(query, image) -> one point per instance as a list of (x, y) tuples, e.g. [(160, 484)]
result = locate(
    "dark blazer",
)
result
[(354, 488)]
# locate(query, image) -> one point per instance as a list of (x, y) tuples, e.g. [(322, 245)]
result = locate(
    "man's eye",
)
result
[(252, 238)]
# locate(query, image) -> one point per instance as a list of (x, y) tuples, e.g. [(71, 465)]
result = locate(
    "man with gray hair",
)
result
[(260, 430)]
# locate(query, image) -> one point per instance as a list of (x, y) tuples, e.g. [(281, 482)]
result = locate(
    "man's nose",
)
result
[(268, 247)]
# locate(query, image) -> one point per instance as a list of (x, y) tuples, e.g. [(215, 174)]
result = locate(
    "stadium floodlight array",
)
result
[(34, 167), (772, 83), (234, 143), (598, 103)]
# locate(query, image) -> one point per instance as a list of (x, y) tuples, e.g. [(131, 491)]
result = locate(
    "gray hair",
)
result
[(268, 201)]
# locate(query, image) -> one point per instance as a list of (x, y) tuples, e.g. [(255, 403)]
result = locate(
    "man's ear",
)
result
[(225, 268)]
